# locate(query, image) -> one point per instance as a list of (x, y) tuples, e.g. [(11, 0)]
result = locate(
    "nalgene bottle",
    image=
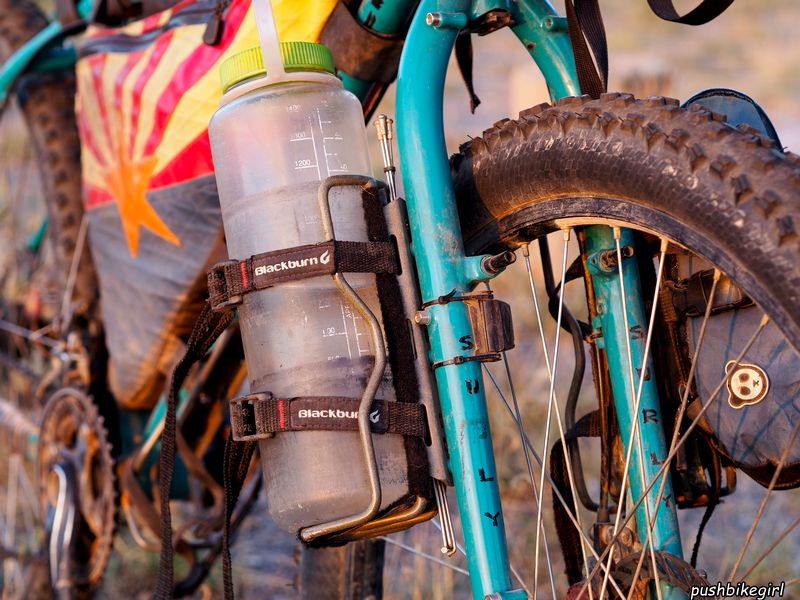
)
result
[(272, 145)]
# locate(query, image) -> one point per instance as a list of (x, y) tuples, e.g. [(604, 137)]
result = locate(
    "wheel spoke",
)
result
[(564, 448), (536, 495), (425, 555), (550, 402), (639, 390), (554, 487), (662, 469), (64, 316), (682, 409), (511, 566), (770, 549), (633, 436), (762, 508)]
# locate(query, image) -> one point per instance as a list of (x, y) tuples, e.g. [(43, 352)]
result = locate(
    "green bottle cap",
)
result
[(297, 56)]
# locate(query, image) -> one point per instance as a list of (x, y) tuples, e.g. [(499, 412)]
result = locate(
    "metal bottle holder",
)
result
[(363, 524)]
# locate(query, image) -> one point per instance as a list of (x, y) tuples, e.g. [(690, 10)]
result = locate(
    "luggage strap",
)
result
[(261, 415), (589, 425), (229, 280), (207, 329), (588, 37)]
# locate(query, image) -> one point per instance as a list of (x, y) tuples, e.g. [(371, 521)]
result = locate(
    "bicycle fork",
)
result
[(445, 270)]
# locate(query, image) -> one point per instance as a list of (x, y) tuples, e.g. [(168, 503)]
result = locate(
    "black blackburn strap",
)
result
[(704, 12), (261, 415), (589, 425), (229, 280)]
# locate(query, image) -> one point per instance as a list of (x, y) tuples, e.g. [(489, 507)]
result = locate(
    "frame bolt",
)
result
[(422, 317), (446, 20), (606, 260), (433, 19), (495, 264)]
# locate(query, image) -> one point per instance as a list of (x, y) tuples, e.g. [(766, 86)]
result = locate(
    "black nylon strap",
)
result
[(464, 58), (587, 426), (236, 463), (586, 30), (229, 280), (260, 415), (704, 12), (589, 45), (207, 329)]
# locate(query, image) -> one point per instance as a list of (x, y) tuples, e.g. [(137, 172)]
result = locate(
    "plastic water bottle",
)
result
[(273, 141)]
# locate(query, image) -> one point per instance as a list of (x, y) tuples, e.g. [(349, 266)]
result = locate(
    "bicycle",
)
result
[(690, 184)]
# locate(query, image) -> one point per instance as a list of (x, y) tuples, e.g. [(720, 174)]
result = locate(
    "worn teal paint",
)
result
[(439, 252), (443, 268), (666, 534), (34, 244), (24, 56), (544, 35)]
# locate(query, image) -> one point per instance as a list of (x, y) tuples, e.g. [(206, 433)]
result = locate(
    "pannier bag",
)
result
[(146, 92), (752, 420)]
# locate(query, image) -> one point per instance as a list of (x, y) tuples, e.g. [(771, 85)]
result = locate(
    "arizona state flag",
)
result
[(146, 92)]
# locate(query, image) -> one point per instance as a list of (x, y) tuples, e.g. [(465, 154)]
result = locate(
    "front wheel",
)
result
[(713, 220)]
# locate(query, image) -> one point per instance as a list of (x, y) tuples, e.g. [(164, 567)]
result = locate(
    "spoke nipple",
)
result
[(567, 233), (617, 232)]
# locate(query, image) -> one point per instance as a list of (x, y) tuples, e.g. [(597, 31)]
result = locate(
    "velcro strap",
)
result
[(260, 415), (229, 280), (360, 52)]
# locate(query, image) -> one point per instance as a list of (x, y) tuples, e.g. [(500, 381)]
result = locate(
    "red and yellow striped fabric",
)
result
[(143, 108)]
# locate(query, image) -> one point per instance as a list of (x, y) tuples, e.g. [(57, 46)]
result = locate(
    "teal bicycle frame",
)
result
[(444, 267)]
